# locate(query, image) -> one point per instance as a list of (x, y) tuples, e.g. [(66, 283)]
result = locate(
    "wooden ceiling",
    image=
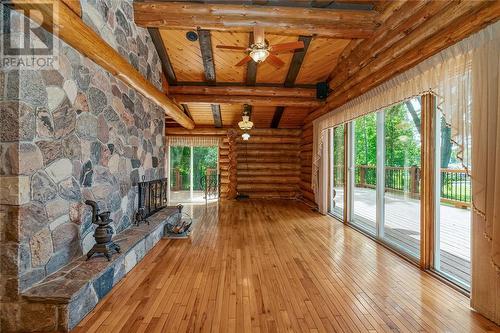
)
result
[(345, 41)]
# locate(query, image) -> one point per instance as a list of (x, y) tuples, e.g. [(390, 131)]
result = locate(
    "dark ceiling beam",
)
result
[(166, 65), (335, 23), (217, 115), (297, 59), (293, 72), (207, 55), (251, 66), (186, 110), (277, 116)]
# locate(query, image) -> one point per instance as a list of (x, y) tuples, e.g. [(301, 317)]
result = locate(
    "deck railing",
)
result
[(455, 183)]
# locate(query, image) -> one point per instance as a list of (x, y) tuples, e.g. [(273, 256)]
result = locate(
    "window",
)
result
[(383, 151), (189, 168), (453, 214), (364, 179), (337, 182), (401, 209)]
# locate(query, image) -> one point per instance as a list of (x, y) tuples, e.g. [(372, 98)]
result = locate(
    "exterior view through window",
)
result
[(453, 210), (383, 151), (363, 194), (337, 179), (190, 167), (402, 177)]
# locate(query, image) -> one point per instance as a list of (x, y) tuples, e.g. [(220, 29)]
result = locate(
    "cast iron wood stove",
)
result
[(103, 233)]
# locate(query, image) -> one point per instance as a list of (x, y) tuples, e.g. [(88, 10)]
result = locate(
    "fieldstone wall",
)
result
[(67, 135)]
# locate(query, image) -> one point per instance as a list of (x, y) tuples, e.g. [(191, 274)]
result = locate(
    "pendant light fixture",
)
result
[(245, 125)]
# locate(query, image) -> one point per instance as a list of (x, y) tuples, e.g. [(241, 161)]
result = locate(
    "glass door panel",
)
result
[(453, 211), (401, 211), (364, 194), (180, 173), (337, 181), (205, 175)]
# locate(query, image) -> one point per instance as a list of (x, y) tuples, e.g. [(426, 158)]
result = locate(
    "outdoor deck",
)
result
[(185, 197), (402, 228)]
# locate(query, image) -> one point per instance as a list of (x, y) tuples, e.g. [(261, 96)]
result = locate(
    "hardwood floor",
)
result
[(275, 266)]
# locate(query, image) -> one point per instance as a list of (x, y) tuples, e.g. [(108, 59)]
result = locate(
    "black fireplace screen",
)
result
[(153, 195)]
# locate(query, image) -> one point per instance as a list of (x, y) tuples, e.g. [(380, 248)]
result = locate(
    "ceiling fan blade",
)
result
[(258, 35), (244, 61), (230, 47), (274, 60), (287, 46)]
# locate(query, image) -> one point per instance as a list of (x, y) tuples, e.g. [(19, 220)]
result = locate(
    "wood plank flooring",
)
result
[(276, 266)]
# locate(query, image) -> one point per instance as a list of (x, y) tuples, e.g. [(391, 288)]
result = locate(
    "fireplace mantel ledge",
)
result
[(76, 288)]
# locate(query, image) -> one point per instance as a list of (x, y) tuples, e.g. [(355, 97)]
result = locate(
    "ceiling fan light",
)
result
[(245, 136), (259, 55)]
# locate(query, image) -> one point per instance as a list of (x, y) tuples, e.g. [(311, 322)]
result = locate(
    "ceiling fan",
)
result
[(261, 51)]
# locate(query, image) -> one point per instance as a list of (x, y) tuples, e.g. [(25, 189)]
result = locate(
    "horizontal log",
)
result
[(264, 153), (243, 91), (267, 180), (421, 34), (409, 15), (267, 187), (370, 77), (267, 159), (269, 166), (308, 195), (274, 195), (275, 19), (307, 131), (177, 131), (270, 139), (257, 146), (306, 147), (305, 186), (268, 173), (202, 131), (275, 132), (72, 30), (305, 102)]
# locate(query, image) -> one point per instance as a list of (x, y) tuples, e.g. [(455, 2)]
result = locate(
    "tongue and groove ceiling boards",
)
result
[(352, 45)]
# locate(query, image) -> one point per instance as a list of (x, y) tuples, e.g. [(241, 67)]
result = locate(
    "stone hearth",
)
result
[(63, 299)]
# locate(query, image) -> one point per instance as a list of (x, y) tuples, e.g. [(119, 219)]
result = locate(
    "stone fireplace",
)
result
[(69, 134)]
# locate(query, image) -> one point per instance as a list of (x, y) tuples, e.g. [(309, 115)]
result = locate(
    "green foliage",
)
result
[(402, 139), (180, 159), (204, 158), (365, 140)]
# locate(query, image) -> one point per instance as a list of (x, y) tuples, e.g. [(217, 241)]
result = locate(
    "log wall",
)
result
[(269, 164), (306, 144), (266, 166)]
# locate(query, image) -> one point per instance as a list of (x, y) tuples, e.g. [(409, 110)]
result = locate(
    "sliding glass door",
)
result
[(337, 179), (453, 210), (193, 171), (401, 209), (364, 180), (383, 151)]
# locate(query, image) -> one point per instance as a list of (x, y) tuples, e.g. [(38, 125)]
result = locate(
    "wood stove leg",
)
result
[(90, 253)]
